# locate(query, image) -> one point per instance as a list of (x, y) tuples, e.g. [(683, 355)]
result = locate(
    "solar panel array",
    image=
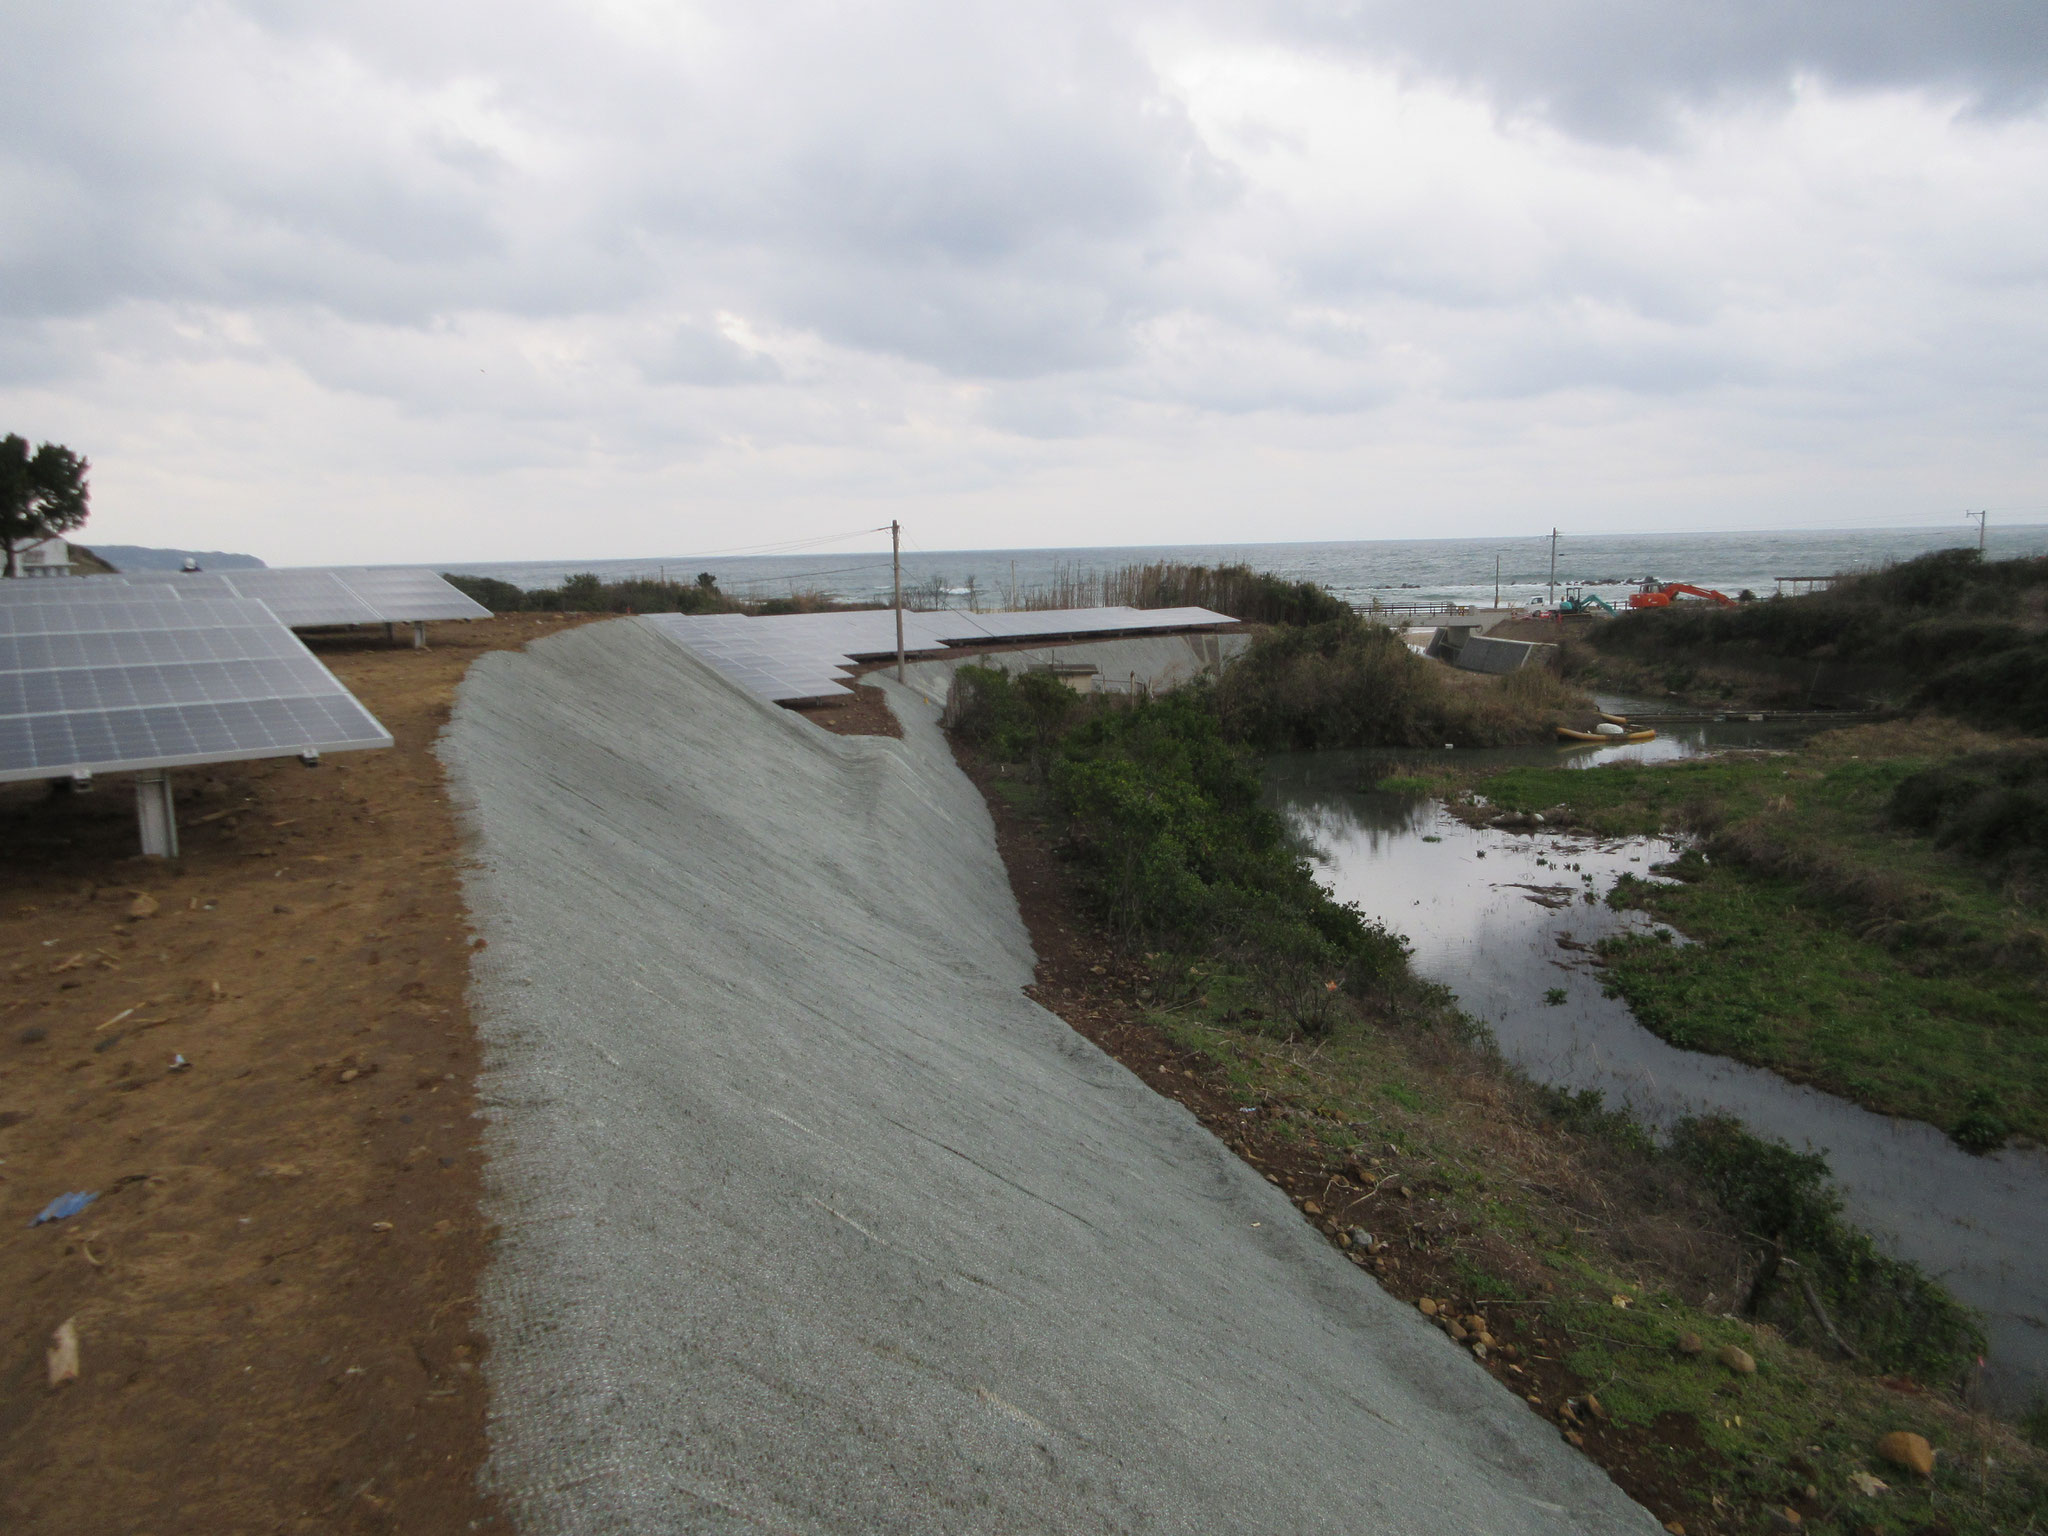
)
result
[(793, 657), (307, 597), (408, 594), (128, 678)]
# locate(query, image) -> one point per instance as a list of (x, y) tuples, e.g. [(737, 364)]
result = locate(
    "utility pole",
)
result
[(1553, 567), (1981, 518), (1496, 583), (896, 565)]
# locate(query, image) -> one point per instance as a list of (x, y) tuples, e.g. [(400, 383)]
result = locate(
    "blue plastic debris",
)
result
[(66, 1205)]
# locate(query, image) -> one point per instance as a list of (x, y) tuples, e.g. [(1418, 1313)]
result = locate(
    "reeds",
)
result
[(1351, 683), (1258, 597)]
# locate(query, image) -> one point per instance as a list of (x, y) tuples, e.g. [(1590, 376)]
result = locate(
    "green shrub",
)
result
[(1888, 1310), (1012, 719), (1982, 1127), (498, 596), (1587, 1113), (1995, 687), (1990, 806), (1166, 822), (1951, 625)]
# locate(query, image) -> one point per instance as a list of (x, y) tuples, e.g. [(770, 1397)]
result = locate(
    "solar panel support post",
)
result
[(419, 634), (156, 815), (896, 569)]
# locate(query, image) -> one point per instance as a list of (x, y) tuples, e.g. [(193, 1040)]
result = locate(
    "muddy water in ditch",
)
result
[(1507, 921)]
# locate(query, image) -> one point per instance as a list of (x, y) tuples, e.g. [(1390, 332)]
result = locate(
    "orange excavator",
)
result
[(1655, 595)]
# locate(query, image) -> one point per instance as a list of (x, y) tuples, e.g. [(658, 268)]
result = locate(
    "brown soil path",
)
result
[(273, 1292)]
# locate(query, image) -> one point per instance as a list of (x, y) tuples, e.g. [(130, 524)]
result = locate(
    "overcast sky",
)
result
[(520, 279)]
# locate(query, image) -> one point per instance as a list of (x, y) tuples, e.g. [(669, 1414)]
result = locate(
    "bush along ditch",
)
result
[(1351, 683), (1163, 815), (1618, 1288), (1818, 1279)]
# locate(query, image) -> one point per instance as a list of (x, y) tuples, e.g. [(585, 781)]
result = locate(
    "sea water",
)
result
[(1386, 570)]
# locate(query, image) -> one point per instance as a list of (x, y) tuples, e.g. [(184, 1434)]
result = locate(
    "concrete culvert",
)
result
[(813, 1222)]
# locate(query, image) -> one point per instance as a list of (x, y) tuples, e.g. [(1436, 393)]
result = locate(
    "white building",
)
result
[(46, 557)]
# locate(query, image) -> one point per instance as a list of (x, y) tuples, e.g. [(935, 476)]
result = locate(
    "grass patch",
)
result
[(1840, 940), (1412, 785), (1775, 979), (1634, 799)]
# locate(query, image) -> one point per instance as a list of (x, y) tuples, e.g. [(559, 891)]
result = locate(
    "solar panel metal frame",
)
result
[(259, 693)]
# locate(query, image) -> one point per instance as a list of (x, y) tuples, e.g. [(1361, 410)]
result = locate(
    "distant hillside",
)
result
[(136, 557)]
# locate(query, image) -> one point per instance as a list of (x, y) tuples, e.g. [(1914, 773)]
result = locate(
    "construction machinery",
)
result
[(1661, 594), (1578, 600)]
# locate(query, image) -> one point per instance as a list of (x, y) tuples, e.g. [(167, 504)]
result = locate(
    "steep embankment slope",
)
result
[(813, 1222)]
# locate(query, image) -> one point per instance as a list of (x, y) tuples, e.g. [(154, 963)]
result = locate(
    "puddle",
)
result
[(1502, 919)]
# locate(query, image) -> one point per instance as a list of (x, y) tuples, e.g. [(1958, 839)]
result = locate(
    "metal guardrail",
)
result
[(1418, 610)]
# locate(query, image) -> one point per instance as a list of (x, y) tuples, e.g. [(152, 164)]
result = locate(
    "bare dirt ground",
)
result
[(866, 714), (259, 1057)]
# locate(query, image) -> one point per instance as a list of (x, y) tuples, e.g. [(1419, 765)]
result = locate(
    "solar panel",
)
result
[(143, 682), (797, 656), (185, 583), (311, 596), (56, 589), (304, 599), (409, 594)]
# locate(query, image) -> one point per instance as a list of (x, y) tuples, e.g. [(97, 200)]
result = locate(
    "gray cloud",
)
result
[(697, 354), (1622, 67), (934, 245)]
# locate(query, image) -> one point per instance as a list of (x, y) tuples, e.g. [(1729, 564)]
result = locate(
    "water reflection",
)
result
[(1509, 920)]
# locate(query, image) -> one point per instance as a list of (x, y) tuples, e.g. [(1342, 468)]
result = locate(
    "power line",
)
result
[(755, 581), (791, 546)]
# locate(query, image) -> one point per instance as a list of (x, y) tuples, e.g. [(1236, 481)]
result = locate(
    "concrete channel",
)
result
[(813, 1222)]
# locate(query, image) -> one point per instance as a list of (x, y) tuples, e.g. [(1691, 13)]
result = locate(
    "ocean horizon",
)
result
[(1359, 571)]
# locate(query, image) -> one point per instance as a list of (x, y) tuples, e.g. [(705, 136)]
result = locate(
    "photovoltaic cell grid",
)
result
[(126, 680), (792, 657), (405, 594), (62, 589), (308, 596)]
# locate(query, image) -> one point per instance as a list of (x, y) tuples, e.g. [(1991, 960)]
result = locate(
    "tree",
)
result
[(42, 494)]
